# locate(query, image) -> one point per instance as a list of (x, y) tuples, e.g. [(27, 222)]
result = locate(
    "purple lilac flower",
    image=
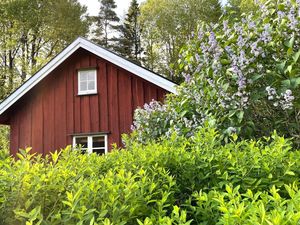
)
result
[(211, 82), (241, 83), (197, 57), (187, 78), (280, 14), (254, 49), (203, 47), (293, 20), (212, 41), (238, 29), (132, 127), (265, 35), (240, 41), (251, 25), (231, 130), (242, 59), (287, 101), (228, 50), (199, 67), (271, 91), (200, 34)]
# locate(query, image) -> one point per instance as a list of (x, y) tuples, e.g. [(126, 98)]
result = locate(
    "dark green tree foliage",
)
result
[(130, 40), (107, 23), (32, 32)]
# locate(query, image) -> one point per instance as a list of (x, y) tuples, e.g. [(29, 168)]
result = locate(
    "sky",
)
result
[(93, 6), (122, 6)]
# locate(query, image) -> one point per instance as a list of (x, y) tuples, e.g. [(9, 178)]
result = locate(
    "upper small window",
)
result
[(87, 82)]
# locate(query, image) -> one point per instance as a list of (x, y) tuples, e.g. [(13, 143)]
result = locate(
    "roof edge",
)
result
[(95, 49)]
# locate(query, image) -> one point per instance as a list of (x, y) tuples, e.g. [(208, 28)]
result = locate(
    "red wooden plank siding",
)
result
[(77, 108), (85, 117), (152, 92), (103, 95), (37, 122), (147, 92), (161, 94), (25, 126), (125, 101), (50, 113), (14, 134), (113, 105), (70, 103), (94, 100), (48, 116), (60, 118), (138, 92)]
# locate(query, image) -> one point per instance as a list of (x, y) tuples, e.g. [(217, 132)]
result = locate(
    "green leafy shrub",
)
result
[(242, 76), (4, 141), (177, 181)]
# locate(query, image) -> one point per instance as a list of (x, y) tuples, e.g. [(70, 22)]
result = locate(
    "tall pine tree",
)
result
[(130, 38), (107, 23)]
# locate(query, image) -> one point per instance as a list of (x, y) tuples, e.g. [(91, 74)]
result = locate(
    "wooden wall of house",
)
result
[(47, 116)]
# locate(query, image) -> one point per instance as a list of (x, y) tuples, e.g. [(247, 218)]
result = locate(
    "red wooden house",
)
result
[(85, 95)]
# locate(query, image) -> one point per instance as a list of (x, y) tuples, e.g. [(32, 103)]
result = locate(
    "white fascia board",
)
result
[(129, 66), (42, 73), (95, 49)]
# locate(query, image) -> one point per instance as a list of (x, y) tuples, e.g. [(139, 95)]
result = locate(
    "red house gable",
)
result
[(86, 95)]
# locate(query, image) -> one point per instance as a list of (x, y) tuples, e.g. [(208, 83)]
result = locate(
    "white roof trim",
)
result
[(97, 50)]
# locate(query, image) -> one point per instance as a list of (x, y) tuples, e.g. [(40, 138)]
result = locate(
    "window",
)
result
[(90, 144), (87, 82)]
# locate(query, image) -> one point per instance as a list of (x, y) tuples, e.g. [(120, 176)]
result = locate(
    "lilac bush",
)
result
[(241, 75)]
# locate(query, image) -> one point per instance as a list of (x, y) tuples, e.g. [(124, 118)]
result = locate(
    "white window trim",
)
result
[(87, 92), (90, 142)]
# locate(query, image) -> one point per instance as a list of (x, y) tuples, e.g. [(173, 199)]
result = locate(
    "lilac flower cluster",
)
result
[(287, 100), (265, 36), (293, 21), (142, 115), (284, 100), (222, 75)]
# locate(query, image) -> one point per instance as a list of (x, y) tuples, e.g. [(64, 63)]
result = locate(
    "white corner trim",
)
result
[(95, 49)]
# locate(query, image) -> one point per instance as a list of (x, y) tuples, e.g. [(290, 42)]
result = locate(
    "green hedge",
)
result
[(178, 181)]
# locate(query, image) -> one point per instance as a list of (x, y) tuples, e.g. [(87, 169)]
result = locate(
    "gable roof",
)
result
[(97, 50)]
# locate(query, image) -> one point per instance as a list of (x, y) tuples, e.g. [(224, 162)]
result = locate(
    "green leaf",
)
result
[(281, 7), (290, 42), (256, 77), (290, 51), (296, 56), (240, 116), (182, 114), (281, 66), (225, 62), (289, 69), (290, 173)]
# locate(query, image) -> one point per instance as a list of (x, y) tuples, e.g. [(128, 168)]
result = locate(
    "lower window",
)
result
[(91, 143)]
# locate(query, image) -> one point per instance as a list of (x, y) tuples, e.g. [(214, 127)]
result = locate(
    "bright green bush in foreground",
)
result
[(177, 181)]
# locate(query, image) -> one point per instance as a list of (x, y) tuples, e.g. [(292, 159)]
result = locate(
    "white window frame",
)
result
[(87, 92), (90, 142)]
